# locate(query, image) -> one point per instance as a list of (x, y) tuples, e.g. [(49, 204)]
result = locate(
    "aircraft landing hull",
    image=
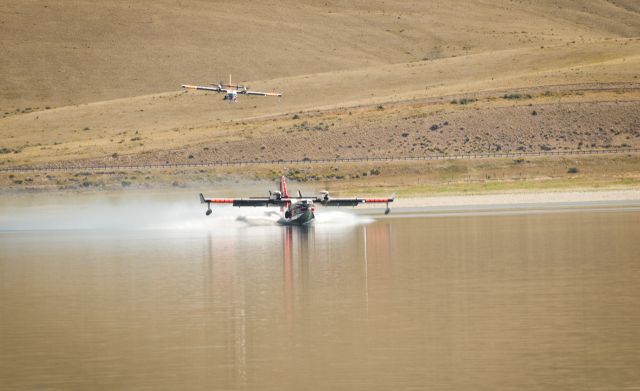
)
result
[(301, 219)]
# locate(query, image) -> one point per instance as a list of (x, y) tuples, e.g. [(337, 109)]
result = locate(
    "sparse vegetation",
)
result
[(305, 126), (466, 101), (516, 96), (96, 134)]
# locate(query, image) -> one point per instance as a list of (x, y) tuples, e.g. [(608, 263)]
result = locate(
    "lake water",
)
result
[(171, 299)]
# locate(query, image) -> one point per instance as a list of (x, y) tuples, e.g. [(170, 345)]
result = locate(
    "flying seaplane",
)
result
[(230, 90), (297, 210)]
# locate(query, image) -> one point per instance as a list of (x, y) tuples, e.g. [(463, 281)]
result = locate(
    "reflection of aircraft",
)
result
[(231, 91), (297, 210), (296, 256)]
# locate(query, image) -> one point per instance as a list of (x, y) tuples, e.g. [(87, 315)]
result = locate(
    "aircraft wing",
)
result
[(329, 201), (341, 201), (204, 88), (257, 201), (260, 93), (352, 201)]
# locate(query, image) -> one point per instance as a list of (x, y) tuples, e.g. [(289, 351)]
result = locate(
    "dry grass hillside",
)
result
[(87, 82), (56, 53)]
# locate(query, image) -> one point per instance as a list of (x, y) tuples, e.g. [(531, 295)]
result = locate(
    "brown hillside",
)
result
[(86, 82), (56, 53)]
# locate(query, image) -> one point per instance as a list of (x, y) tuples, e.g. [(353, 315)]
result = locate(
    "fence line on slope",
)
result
[(486, 155)]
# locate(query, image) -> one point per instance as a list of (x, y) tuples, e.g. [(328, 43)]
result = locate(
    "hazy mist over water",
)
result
[(173, 213), (132, 293)]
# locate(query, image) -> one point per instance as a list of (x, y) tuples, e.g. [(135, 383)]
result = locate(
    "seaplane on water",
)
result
[(297, 210), (230, 90)]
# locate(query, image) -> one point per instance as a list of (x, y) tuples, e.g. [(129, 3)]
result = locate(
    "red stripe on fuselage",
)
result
[(220, 200)]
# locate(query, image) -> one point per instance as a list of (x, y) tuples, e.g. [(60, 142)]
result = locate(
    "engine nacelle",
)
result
[(276, 195)]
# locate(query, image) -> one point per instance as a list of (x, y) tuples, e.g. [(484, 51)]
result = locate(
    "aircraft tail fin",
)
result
[(283, 187)]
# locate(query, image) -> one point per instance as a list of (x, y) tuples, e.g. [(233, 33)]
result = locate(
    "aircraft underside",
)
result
[(230, 97), (299, 219)]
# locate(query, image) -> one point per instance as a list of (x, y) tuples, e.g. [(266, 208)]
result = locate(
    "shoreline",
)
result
[(118, 211), (482, 201), (521, 198)]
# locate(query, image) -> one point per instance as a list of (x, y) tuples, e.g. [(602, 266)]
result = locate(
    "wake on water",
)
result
[(128, 215), (236, 218)]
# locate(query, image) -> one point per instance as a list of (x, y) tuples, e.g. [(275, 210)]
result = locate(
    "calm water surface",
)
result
[(530, 301)]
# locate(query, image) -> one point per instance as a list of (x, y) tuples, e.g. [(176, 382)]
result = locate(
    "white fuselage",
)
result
[(231, 96)]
